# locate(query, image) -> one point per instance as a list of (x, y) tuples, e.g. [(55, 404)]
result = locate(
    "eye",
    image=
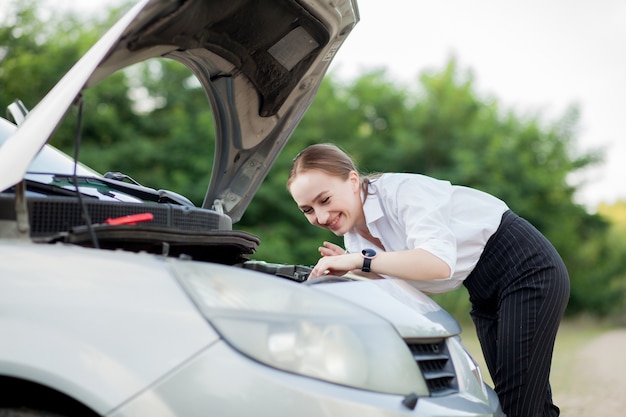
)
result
[(307, 210), (326, 200)]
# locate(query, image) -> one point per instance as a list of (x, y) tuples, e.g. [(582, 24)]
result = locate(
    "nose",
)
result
[(322, 216)]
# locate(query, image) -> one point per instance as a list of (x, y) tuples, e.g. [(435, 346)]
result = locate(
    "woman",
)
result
[(438, 236)]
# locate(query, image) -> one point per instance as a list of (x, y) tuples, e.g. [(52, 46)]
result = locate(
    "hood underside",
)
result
[(260, 63)]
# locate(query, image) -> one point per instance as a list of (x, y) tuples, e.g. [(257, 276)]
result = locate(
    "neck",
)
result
[(365, 233)]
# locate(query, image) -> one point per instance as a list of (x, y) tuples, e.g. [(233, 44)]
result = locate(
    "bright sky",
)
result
[(534, 56)]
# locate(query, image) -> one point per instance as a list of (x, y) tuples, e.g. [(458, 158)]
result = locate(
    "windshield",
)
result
[(51, 166), (52, 161), (48, 161)]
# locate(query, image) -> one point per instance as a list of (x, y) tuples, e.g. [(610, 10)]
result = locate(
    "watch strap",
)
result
[(366, 265), (368, 255)]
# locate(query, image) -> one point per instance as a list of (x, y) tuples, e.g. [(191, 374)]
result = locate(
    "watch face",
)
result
[(368, 253)]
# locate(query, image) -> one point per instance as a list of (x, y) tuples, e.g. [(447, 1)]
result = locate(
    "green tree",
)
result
[(152, 122), (33, 53), (161, 132)]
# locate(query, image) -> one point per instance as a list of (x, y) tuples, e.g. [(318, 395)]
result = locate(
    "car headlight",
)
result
[(468, 373), (301, 330)]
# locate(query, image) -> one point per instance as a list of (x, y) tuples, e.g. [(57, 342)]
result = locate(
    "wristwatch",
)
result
[(368, 255)]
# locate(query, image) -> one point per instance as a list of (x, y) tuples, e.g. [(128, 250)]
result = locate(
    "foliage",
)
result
[(611, 258), (438, 125)]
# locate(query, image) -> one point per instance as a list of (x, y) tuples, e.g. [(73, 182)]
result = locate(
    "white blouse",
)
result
[(410, 211)]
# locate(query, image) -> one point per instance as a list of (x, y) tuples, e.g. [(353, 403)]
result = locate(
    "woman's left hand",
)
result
[(330, 249)]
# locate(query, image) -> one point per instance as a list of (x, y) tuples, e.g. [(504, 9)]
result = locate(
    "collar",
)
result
[(373, 212), (371, 208)]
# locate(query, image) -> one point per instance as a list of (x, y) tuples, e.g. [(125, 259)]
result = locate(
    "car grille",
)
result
[(434, 361)]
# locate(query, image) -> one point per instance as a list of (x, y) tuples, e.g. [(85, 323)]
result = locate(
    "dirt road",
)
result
[(588, 375), (590, 379)]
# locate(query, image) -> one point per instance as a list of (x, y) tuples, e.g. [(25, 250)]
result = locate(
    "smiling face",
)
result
[(328, 201)]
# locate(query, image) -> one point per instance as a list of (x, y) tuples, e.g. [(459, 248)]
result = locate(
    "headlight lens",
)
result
[(468, 373), (301, 330)]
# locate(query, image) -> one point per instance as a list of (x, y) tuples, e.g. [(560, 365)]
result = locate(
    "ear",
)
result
[(355, 181)]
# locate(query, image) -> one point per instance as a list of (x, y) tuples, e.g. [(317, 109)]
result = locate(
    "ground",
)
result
[(593, 383), (588, 370)]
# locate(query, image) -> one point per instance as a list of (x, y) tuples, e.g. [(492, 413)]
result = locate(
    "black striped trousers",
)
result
[(519, 290)]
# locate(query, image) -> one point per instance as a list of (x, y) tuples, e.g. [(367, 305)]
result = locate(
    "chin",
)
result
[(338, 232)]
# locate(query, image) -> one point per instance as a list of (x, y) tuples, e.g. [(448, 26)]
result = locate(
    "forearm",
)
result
[(414, 264)]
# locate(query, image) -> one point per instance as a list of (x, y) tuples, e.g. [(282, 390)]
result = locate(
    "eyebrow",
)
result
[(317, 197)]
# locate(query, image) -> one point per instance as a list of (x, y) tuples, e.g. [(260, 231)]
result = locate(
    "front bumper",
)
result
[(221, 382)]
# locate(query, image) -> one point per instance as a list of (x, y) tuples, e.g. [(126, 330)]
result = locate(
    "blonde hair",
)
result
[(328, 158)]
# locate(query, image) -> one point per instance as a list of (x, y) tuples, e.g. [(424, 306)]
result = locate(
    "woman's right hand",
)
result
[(337, 265), (323, 267)]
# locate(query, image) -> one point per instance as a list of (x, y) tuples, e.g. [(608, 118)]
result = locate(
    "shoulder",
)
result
[(396, 193), (390, 183)]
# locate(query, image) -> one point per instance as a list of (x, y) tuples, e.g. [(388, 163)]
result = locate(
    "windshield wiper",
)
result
[(50, 189), (133, 189)]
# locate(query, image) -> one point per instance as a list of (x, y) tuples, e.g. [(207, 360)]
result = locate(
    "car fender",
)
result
[(92, 323), (409, 310)]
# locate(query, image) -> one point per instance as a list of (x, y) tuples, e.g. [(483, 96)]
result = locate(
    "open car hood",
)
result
[(260, 63)]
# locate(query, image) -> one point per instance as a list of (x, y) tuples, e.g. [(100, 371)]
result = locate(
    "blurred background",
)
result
[(519, 99)]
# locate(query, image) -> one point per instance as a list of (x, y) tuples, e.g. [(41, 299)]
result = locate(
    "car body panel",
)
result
[(102, 324), (412, 313), (273, 393), (91, 322)]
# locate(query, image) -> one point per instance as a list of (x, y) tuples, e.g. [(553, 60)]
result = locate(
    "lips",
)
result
[(335, 223)]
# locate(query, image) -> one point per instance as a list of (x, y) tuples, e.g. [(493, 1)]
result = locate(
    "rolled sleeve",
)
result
[(427, 219)]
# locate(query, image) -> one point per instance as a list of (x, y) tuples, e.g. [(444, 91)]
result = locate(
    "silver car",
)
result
[(120, 300)]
